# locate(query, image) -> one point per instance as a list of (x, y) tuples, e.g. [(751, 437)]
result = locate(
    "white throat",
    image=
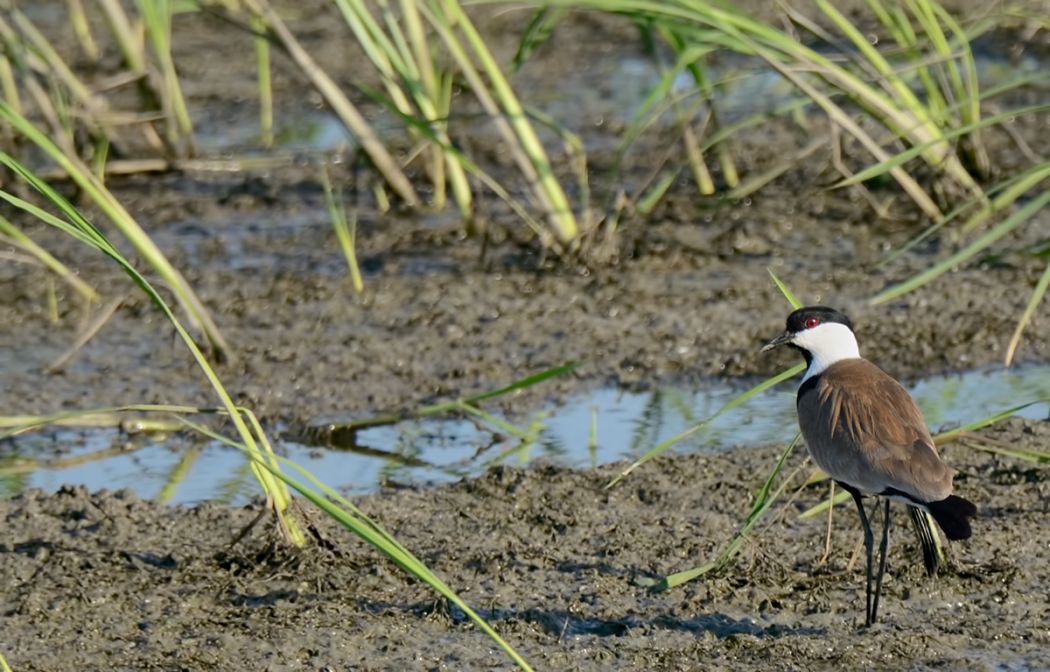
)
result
[(827, 343)]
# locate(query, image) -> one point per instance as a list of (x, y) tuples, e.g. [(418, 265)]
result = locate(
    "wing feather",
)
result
[(864, 429)]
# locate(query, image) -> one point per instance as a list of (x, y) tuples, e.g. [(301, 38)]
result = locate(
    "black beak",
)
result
[(779, 340)]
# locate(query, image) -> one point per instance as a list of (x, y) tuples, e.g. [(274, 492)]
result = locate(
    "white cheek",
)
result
[(827, 338), (827, 344)]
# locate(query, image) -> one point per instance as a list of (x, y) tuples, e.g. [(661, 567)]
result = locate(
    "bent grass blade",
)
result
[(995, 233), (361, 525), (763, 501), (785, 290), (78, 226), (1033, 302)]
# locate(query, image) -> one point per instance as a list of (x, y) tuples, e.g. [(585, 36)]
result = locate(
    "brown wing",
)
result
[(863, 428)]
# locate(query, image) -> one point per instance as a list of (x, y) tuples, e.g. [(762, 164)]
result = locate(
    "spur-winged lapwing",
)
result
[(863, 429)]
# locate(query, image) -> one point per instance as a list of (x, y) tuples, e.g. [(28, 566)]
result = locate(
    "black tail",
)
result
[(930, 557), (953, 515)]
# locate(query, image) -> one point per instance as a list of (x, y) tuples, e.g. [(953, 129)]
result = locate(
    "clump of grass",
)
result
[(402, 44), (345, 230), (918, 85)]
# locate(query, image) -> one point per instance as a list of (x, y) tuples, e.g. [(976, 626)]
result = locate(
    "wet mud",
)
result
[(104, 580), (551, 558)]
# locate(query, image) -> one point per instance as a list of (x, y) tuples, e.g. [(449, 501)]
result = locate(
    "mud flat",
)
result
[(104, 580)]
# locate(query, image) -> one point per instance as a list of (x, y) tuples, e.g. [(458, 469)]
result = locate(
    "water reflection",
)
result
[(600, 427)]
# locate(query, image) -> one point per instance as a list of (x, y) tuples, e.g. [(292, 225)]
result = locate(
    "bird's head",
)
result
[(823, 335)]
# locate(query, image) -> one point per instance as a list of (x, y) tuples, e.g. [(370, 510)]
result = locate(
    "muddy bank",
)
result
[(690, 299), (105, 580), (679, 296)]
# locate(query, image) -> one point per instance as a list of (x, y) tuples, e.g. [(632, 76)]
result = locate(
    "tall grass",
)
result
[(400, 43), (867, 78), (919, 88), (404, 44)]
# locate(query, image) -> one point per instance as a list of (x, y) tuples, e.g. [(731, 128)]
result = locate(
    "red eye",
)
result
[(812, 322)]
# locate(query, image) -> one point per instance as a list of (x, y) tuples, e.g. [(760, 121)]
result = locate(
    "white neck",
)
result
[(827, 343)]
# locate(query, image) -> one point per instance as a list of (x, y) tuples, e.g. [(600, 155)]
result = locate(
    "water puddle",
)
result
[(183, 468), (743, 87), (310, 132)]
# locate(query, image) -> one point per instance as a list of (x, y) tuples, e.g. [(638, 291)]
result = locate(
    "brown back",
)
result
[(863, 428)]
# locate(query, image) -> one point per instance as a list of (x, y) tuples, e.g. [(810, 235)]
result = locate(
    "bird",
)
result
[(865, 431)]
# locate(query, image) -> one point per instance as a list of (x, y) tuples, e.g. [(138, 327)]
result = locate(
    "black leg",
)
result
[(869, 542), (883, 545)]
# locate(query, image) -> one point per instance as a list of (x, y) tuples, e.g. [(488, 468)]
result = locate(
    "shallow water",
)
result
[(183, 469)]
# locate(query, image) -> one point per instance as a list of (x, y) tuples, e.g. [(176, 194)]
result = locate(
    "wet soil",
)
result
[(103, 580), (550, 558)]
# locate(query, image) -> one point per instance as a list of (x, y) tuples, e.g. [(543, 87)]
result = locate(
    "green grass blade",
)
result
[(1029, 311), (998, 416), (537, 32), (839, 498), (903, 157), (656, 192), (763, 500), (344, 231), (264, 75), (454, 405), (1014, 189), (785, 290), (993, 234), (527, 381), (357, 522)]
